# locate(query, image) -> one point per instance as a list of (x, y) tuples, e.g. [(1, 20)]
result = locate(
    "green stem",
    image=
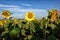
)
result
[(45, 32)]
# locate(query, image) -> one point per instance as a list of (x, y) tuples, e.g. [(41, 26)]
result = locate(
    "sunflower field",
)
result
[(47, 28)]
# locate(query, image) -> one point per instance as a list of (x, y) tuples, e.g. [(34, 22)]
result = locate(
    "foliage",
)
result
[(43, 29)]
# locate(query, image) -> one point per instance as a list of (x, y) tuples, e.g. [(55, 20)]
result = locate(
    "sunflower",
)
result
[(15, 20), (6, 14), (29, 16), (1, 23), (54, 15)]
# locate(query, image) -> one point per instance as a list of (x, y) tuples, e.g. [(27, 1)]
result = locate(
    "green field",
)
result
[(47, 28)]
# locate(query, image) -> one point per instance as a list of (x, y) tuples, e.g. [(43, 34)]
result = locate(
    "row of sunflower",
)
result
[(47, 28)]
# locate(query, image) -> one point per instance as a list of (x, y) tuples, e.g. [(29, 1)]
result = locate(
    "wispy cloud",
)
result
[(26, 10), (6, 7), (20, 13), (39, 13), (0, 16), (26, 4), (3, 5)]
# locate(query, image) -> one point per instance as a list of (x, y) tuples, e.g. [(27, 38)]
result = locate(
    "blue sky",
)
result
[(20, 7)]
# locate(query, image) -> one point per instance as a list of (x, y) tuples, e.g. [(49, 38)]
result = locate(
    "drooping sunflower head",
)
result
[(6, 14), (29, 16), (54, 15)]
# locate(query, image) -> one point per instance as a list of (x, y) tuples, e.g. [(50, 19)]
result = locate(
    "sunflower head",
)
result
[(6, 14), (54, 15), (29, 16)]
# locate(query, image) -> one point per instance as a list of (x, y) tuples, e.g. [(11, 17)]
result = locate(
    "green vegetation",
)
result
[(47, 28)]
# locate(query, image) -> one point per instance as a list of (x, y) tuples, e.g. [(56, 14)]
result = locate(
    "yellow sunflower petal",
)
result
[(29, 16), (1, 23)]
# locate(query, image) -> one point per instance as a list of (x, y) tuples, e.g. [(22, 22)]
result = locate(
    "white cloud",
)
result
[(3, 5), (26, 4), (0, 16), (19, 12), (26, 10), (39, 13)]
